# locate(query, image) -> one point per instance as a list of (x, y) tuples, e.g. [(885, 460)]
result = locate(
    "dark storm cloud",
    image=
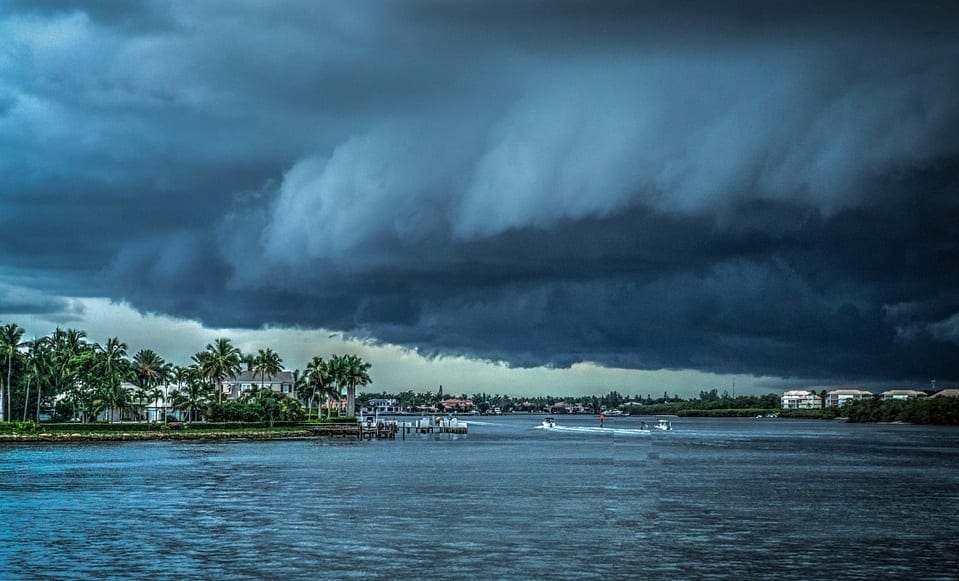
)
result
[(761, 188)]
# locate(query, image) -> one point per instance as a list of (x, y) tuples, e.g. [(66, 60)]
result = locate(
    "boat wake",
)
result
[(596, 430)]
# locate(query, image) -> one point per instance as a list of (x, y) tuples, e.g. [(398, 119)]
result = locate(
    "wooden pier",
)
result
[(387, 430), (358, 431), (436, 425)]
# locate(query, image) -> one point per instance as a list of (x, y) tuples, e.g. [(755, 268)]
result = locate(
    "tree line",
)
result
[(667, 404), (68, 377)]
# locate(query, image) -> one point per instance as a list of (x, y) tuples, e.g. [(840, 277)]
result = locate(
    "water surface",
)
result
[(711, 499)]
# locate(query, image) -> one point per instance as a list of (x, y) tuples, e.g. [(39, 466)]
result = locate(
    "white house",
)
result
[(800, 399), (840, 397), (903, 394), (248, 381), (381, 407)]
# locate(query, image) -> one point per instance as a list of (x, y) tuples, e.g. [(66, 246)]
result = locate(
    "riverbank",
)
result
[(264, 434)]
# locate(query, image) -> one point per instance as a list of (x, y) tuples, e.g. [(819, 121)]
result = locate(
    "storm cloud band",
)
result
[(739, 187)]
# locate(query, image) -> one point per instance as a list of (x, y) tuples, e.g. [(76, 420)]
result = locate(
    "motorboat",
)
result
[(664, 425), (548, 423)]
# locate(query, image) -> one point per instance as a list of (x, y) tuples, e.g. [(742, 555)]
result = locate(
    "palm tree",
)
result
[(354, 374), (335, 380), (155, 395), (40, 364), (114, 396), (178, 375), (151, 371), (38, 370), (10, 336), (113, 368), (189, 397), (267, 362), (303, 389), (248, 360), (67, 346), (222, 360), (85, 381), (318, 379)]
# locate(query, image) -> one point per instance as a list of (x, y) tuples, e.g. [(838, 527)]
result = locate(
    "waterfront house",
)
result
[(126, 413), (946, 393), (840, 397), (381, 407), (338, 405), (455, 404), (526, 406), (248, 381), (800, 399), (903, 394)]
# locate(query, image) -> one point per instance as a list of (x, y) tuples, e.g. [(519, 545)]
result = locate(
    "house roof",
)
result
[(849, 392), (251, 377), (947, 393), (909, 392)]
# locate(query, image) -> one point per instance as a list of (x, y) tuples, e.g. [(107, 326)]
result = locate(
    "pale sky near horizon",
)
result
[(394, 368)]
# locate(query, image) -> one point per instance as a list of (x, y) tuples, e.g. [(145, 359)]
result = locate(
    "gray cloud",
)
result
[(18, 300), (745, 187)]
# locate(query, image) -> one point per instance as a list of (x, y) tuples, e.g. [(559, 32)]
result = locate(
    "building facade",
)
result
[(903, 394), (248, 381), (381, 407), (800, 399), (840, 397)]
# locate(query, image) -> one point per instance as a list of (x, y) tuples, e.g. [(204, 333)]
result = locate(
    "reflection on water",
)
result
[(712, 498)]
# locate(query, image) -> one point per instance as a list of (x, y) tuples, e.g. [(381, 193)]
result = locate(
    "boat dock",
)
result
[(435, 425), (388, 429)]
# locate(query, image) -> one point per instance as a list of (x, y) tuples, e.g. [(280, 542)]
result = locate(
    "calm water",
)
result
[(713, 498)]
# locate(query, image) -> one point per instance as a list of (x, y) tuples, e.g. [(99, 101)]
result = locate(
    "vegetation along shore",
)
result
[(63, 387)]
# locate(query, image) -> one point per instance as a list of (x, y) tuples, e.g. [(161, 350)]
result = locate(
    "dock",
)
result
[(388, 429), (436, 425)]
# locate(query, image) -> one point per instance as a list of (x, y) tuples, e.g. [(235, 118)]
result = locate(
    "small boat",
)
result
[(664, 425), (548, 423)]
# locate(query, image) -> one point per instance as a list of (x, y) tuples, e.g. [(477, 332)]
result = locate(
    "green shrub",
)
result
[(338, 420), (27, 427), (727, 413)]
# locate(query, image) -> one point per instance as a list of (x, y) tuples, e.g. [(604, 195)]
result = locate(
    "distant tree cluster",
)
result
[(667, 404), (938, 410)]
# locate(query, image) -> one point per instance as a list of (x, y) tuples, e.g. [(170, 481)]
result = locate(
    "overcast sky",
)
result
[(508, 196)]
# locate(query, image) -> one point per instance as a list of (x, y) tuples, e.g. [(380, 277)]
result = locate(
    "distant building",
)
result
[(381, 407), (526, 406), (248, 381), (457, 404), (800, 399), (903, 394), (338, 405), (946, 393), (840, 397), (126, 413)]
